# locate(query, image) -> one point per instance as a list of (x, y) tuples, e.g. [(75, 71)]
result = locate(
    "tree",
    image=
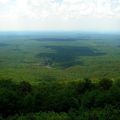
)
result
[(84, 86), (8, 102), (105, 83), (24, 87)]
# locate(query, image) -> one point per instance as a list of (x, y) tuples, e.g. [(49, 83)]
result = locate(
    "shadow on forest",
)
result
[(65, 56), (3, 44)]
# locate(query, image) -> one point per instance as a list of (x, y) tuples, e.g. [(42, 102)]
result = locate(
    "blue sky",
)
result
[(83, 15)]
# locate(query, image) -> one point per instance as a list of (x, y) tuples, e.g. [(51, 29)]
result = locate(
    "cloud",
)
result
[(62, 12), (2, 2), (40, 9), (97, 8)]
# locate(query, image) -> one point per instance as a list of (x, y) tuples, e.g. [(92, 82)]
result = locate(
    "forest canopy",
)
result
[(81, 100)]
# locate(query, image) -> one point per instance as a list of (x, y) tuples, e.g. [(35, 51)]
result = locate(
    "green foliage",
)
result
[(42, 116), (9, 102), (117, 82), (24, 87), (105, 83), (7, 83), (84, 86), (59, 101), (109, 113)]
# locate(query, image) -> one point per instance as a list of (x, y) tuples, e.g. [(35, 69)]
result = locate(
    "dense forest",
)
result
[(80, 100)]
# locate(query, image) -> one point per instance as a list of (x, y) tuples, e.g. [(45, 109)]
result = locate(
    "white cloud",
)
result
[(67, 9), (59, 11), (4, 1)]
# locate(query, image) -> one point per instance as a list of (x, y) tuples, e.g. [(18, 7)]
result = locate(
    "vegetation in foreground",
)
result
[(81, 100)]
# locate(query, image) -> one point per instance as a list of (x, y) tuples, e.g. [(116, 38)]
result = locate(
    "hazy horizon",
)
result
[(62, 30)]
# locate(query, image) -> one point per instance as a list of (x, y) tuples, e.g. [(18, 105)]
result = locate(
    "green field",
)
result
[(69, 56)]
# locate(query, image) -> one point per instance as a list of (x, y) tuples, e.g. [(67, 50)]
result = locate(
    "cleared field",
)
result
[(61, 56)]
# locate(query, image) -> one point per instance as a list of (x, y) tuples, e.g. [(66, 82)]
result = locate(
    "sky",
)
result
[(82, 15)]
